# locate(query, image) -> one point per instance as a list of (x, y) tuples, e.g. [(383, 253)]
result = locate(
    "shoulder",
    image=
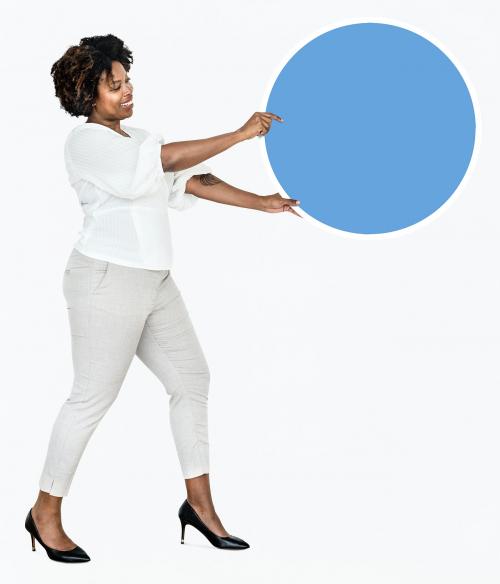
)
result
[(86, 128), (87, 133), (95, 138)]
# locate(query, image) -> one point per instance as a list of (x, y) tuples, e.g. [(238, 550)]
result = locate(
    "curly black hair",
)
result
[(76, 74)]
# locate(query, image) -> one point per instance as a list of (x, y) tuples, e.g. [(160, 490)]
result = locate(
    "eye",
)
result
[(117, 88)]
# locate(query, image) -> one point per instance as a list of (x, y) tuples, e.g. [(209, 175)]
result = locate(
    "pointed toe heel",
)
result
[(77, 554), (188, 516)]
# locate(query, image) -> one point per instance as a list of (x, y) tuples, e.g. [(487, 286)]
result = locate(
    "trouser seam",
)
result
[(89, 345), (200, 463)]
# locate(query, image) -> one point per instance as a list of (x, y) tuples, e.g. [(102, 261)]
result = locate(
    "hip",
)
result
[(111, 286)]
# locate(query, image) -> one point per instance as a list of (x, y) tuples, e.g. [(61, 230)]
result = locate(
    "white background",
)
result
[(355, 386)]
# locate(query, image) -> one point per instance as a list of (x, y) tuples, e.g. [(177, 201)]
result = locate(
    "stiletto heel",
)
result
[(77, 554), (183, 525), (188, 515)]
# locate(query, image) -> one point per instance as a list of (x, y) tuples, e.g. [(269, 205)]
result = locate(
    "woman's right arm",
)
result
[(177, 156)]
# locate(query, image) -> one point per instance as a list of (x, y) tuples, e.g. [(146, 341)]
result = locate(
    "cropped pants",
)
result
[(116, 312)]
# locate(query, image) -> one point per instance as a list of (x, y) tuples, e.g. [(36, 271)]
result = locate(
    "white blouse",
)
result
[(125, 194)]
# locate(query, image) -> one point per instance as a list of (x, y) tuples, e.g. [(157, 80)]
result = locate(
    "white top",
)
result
[(125, 194)]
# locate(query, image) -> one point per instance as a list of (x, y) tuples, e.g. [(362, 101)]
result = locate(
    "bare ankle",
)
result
[(45, 512)]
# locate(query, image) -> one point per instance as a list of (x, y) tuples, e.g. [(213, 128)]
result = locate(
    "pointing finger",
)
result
[(274, 116), (292, 210)]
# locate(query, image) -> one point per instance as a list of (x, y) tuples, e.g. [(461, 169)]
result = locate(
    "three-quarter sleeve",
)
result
[(124, 167), (178, 198)]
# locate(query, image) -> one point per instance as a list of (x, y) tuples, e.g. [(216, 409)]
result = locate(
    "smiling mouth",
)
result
[(127, 104)]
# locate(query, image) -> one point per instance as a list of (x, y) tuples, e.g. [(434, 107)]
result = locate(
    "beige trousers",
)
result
[(116, 312)]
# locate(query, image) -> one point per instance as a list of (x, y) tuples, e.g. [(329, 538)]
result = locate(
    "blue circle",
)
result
[(378, 130)]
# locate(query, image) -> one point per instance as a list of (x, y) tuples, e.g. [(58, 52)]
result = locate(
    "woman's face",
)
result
[(114, 95)]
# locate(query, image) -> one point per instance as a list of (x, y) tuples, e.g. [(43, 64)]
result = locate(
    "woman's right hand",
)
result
[(258, 125)]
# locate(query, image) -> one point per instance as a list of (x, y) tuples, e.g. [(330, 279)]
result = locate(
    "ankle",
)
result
[(45, 512), (202, 504)]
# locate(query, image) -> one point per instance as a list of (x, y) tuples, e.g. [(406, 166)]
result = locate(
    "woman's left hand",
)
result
[(277, 204)]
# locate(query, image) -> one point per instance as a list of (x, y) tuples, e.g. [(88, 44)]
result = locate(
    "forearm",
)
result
[(177, 156), (212, 188)]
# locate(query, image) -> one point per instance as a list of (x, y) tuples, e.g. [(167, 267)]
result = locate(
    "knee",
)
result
[(97, 397), (205, 380), (201, 383), (193, 384)]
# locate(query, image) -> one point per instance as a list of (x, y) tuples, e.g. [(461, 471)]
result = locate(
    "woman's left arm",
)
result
[(208, 186)]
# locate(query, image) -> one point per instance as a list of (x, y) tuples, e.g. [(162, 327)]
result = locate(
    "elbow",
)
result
[(172, 162), (167, 161), (191, 185)]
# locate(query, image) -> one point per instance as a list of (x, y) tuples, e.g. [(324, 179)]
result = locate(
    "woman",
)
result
[(121, 297)]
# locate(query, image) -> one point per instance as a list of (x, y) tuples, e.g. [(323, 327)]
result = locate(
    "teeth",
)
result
[(126, 103)]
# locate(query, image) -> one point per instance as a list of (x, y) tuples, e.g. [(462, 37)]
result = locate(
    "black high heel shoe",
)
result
[(74, 555), (188, 515)]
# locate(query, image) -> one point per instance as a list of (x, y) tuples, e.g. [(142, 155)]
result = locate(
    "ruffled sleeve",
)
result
[(176, 181), (124, 167), (178, 198)]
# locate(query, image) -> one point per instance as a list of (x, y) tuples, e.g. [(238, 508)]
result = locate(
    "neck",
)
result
[(111, 124)]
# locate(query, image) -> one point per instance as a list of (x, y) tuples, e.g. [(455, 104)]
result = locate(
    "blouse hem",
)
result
[(119, 261)]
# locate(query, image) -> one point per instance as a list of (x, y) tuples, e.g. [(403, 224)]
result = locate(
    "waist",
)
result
[(141, 240)]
